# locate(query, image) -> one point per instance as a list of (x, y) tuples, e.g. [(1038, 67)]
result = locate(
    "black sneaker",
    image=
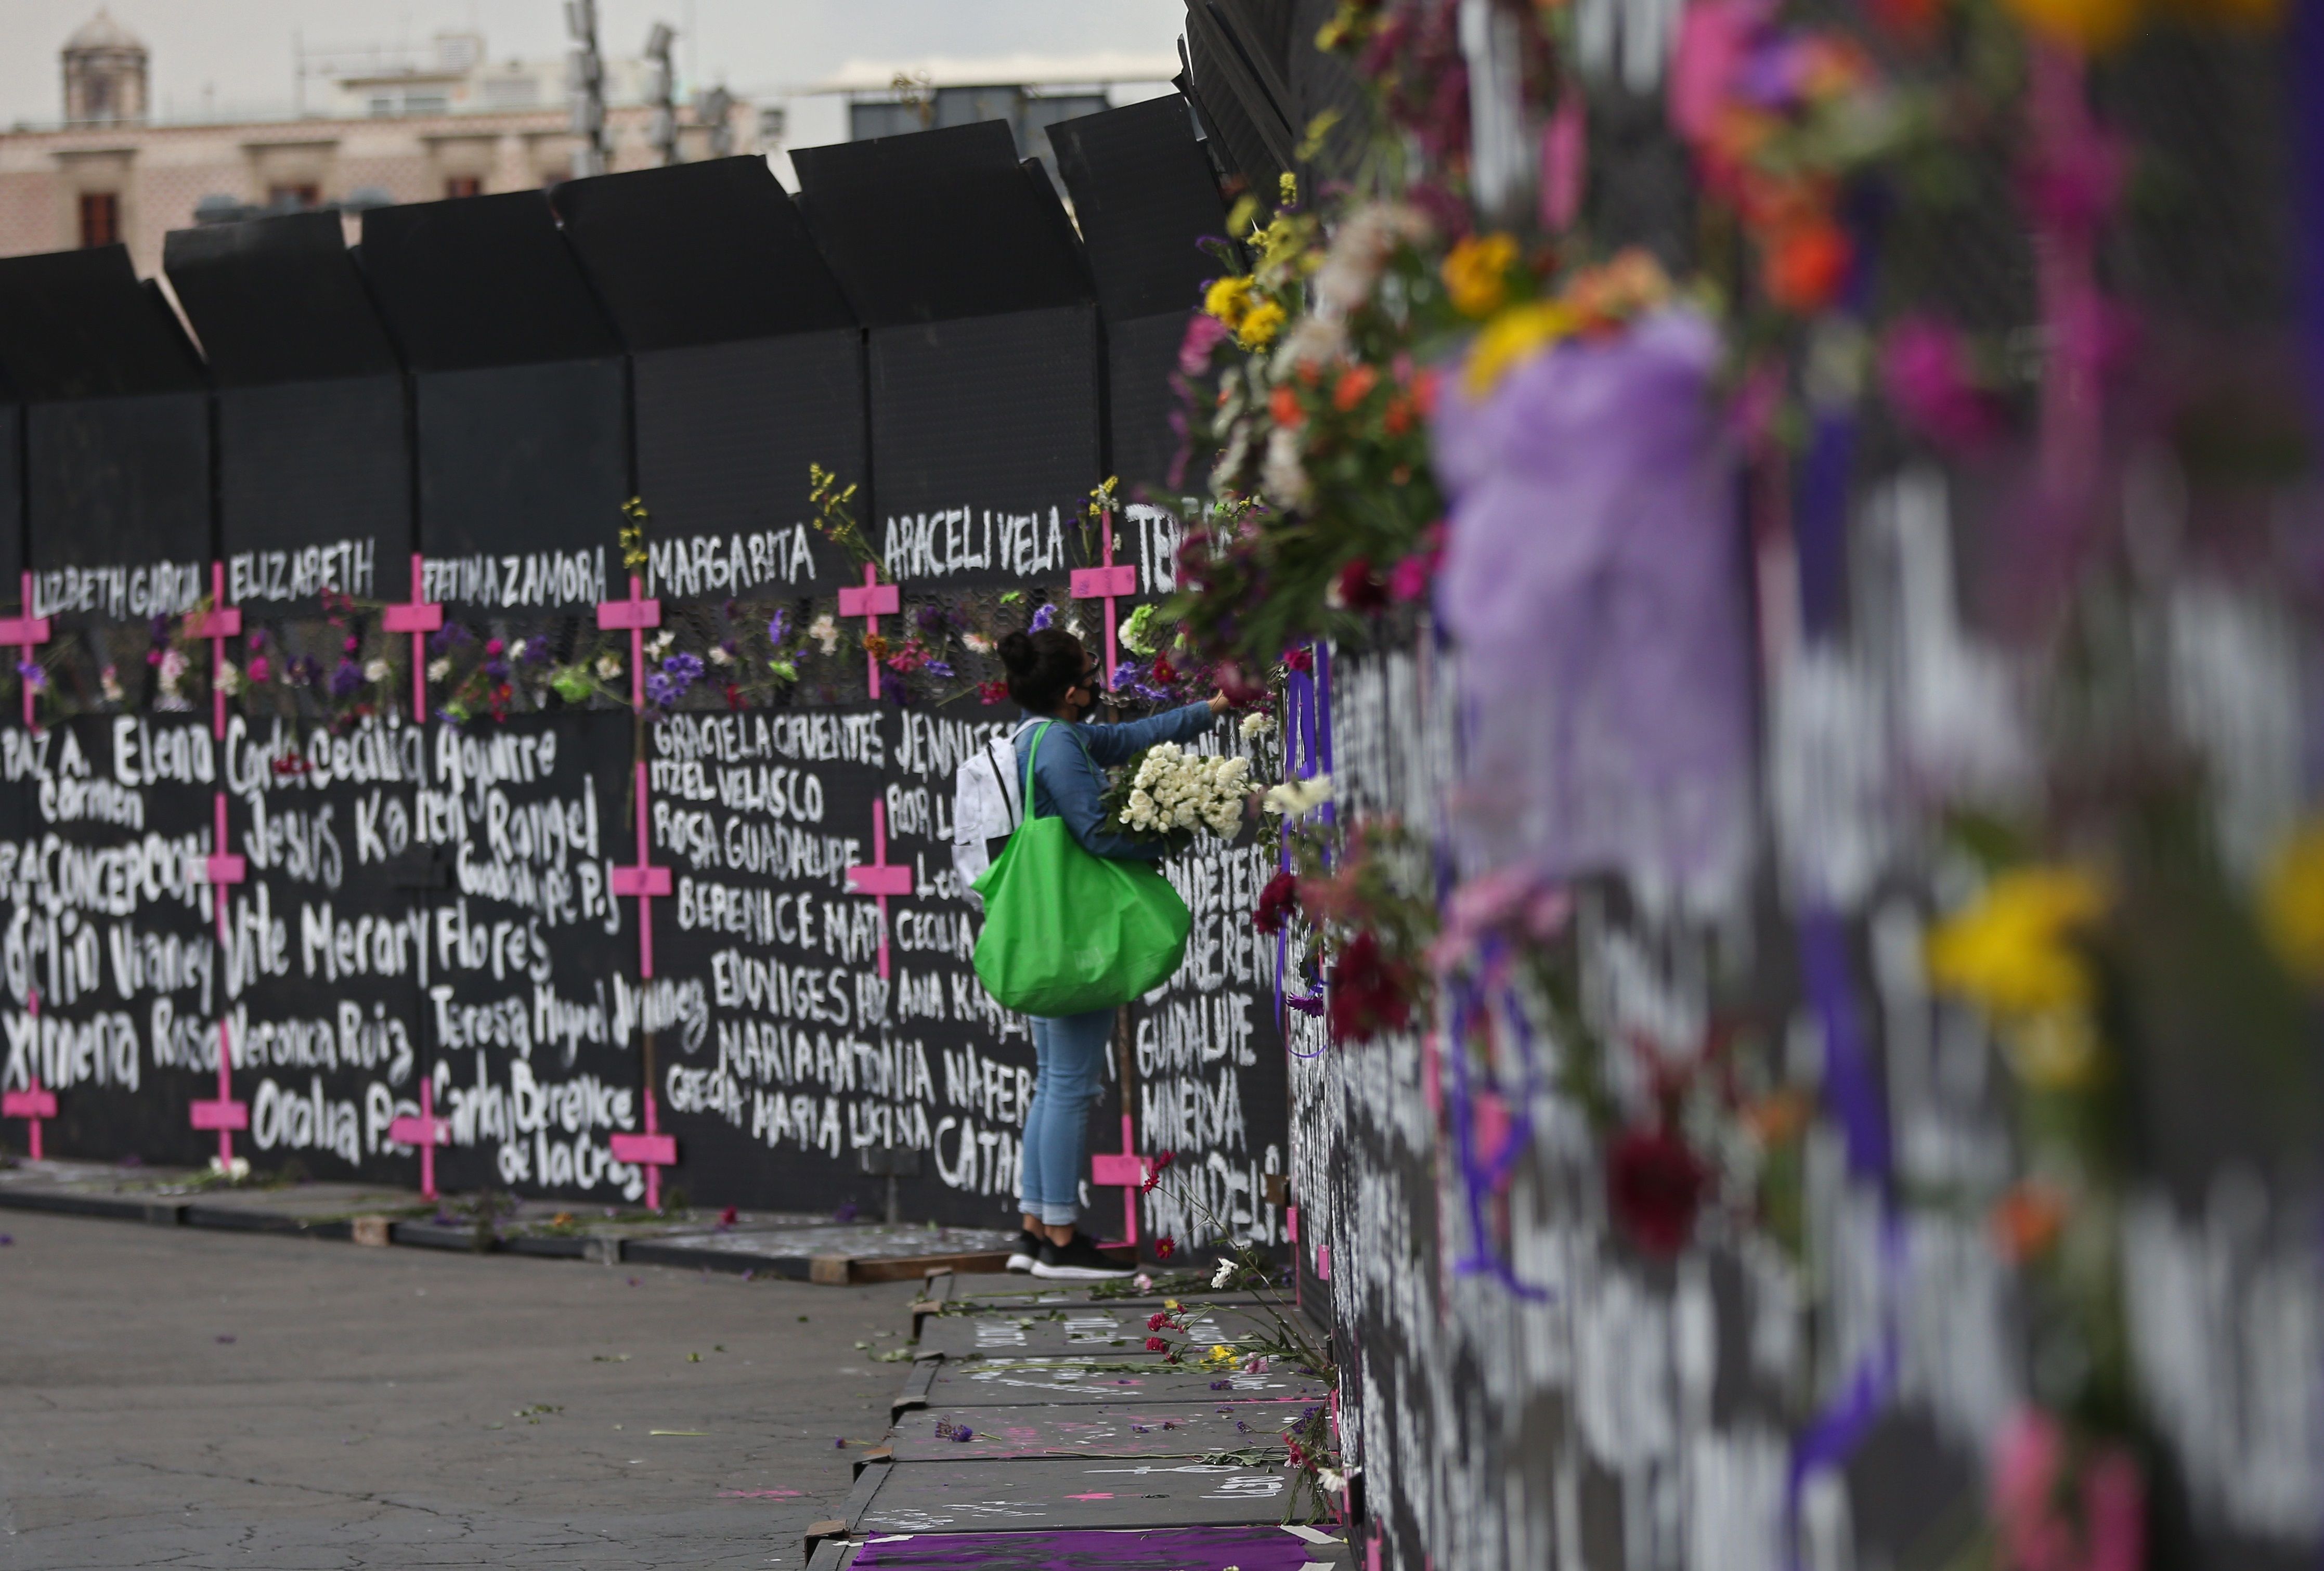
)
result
[(1078, 1261), (1027, 1250)]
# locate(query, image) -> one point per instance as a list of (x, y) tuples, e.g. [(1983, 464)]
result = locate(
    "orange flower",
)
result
[(1778, 1117), (1804, 266), (2027, 1220), (1284, 405), (1398, 419), (1355, 383), (1424, 388)]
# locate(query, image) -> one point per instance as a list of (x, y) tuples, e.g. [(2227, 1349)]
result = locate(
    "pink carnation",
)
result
[(1204, 332), (1925, 369)]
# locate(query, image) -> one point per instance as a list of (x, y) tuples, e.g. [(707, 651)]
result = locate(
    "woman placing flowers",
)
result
[(1054, 676)]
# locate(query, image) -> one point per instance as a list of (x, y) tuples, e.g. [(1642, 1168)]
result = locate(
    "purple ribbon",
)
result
[(1821, 532), (1482, 1178), (1851, 1089), (1852, 1094), (1301, 725)]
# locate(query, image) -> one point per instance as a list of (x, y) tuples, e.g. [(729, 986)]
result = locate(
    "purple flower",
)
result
[(35, 677), (938, 668), (305, 671), (345, 678), (686, 667), (778, 625), (1043, 617), (662, 691), (931, 618), (495, 667)]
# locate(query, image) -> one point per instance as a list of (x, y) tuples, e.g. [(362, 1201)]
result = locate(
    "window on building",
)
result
[(464, 185), (293, 196), (100, 217)]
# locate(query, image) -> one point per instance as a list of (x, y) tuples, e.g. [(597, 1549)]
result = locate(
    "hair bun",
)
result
[(1018, 652)]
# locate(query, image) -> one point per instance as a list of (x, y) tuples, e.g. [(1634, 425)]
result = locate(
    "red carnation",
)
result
[(1360, 589), (1164, 1247), (1654, 1185), (1155, 1344), (1368, 993), (991, 692), (1276, 902)]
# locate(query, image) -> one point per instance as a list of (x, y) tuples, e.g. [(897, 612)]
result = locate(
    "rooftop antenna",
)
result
[(661, 93), (586, 82)]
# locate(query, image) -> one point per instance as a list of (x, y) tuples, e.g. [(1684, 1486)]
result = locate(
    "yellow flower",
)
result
[(2055, 1050), (1260, 325), (2012, 953), (2292, 903), (1512, 338), (1476, 274), (1227, 298), (2090, 26), (1220, 1353)]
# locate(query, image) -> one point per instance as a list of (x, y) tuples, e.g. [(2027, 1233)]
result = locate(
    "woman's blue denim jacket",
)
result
[(1068, 781)]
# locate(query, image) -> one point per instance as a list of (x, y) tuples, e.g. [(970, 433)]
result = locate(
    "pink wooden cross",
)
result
[(1129, 1170), (420, 619), (31, 1104), (872, 602), (637, 613), (880, 877), (652, 1149), (27, 632), (1109, 583), (221, 623), (427, 1132), (221, 871)]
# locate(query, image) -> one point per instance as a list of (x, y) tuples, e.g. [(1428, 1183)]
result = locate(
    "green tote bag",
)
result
[(1067, 932)]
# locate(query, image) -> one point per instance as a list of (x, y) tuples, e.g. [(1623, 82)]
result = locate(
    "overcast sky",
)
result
[(240, 51)]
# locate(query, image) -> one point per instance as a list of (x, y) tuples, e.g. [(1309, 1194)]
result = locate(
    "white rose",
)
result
[(439, 668), (376, 672)]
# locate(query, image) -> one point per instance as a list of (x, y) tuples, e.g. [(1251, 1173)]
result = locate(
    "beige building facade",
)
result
[(107, 174)]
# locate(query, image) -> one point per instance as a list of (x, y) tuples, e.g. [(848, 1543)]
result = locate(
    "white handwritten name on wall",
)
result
[(148, 589), (535, 578), (346, 566), (960, 539), (722, 564)]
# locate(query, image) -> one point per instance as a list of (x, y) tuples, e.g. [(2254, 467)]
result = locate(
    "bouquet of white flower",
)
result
[(1167, 793)]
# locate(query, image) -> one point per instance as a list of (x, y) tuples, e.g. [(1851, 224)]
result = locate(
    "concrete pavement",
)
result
[(194, 1399)]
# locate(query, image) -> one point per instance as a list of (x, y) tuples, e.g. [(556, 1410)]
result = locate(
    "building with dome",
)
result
[(105, 74)]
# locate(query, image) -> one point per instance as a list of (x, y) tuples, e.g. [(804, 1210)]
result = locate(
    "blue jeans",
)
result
[(1070, 1053)]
